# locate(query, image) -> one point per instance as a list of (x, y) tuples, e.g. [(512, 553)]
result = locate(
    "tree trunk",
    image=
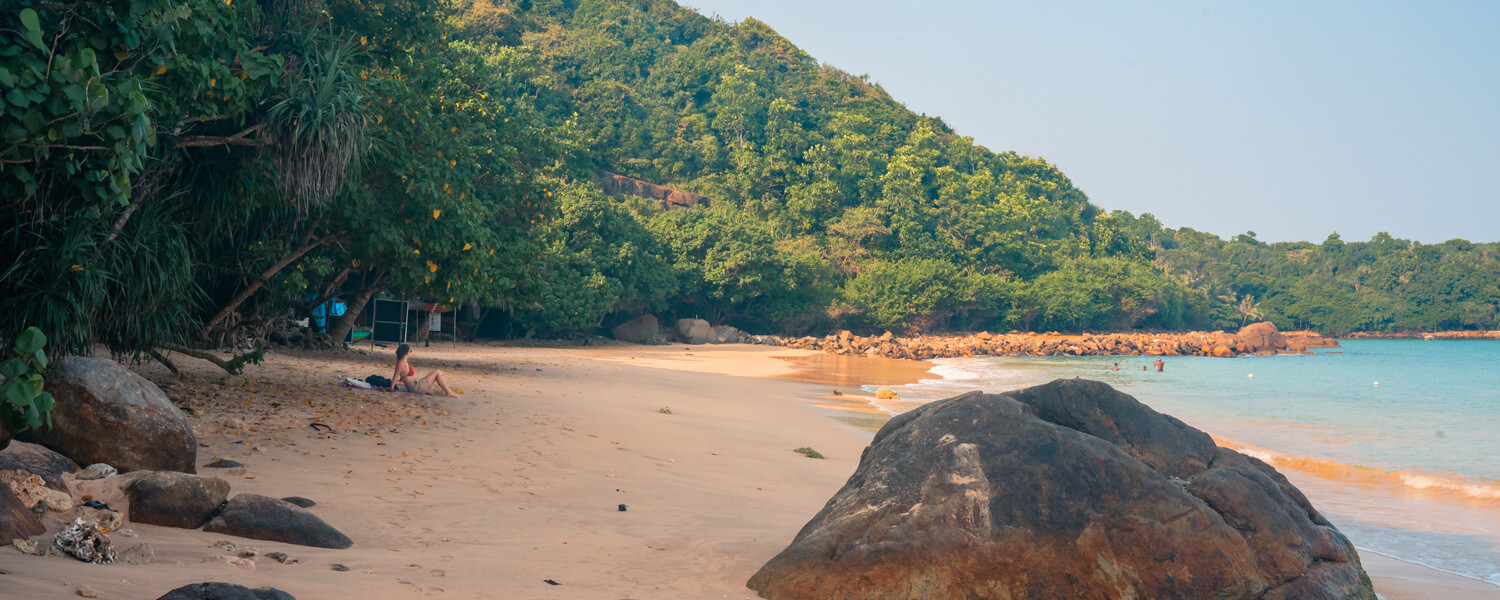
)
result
[(259, 282), (346, 322)]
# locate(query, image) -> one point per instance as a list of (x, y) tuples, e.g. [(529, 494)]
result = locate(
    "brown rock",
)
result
[(670, 198), (261, 518), (175, 499), (16, 521), (1262, 336), (641, 330), (1066, 490), (37, 459), (1223, 352), (107, 414)]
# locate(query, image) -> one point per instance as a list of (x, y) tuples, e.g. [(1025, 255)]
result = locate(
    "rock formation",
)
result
[(695, 331), (49, 465), (175, 499), (224, 591), (671, 199), (261, 518), (107, 414), (644, 329), (17, 522), (1065, 490)]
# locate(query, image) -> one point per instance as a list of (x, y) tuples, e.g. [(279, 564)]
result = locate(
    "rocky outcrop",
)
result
[(107, 414), (671, 199), (32, 491), (261, 518), (1197, 343), (644, 329), (175, 499), (727, 334), (695, 331), (16, 520), (1066, 490), (224, 591), (1258, 337), (32, 458)]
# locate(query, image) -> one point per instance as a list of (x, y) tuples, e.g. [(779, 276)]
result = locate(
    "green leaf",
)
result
[(33, 418), (30, 341), (13, 368), (36, 40), (29, 20), (19, 392), (39, 360), (45, 402), (7, 78)]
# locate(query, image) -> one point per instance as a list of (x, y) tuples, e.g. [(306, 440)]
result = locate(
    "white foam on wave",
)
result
[(1473, 490), (954, 376)]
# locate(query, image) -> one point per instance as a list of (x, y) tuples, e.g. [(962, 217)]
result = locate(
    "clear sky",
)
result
[(1290, 119)]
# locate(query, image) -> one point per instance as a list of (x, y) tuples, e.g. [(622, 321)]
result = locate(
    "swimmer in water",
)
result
[(1116, 367), (1159, 365)]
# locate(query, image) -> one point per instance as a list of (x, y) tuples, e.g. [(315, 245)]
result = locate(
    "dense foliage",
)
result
[(180, 175)]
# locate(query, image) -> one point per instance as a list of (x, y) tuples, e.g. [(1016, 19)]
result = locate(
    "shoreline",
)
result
[(518, 481)]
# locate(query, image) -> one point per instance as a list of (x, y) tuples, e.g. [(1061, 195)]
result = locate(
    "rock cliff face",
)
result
[(1066, 490), (670, 198)]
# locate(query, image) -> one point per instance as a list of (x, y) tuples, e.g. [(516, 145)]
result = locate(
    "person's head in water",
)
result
[(402, 351)]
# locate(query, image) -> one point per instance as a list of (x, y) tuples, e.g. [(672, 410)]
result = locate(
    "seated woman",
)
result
[(406, 374)]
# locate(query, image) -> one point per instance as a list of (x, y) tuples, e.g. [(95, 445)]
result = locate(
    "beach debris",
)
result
[(886, 394), (550, 582), (338, 567), (33, 492), (90, 502), (238, 561), (808, 452), (26, 546), (224, 463), (84, 541), (139, 554), (87, 592), (299, 501), (129, 533), (233, 423), (281, 557), (97, 471), (665, 410), (622, 508), (105, 519), (837, 393)]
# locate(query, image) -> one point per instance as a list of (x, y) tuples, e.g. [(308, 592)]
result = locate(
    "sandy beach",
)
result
[(514, 489)]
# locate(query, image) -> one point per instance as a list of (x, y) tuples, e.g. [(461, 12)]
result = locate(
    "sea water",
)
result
[(1396, 441)]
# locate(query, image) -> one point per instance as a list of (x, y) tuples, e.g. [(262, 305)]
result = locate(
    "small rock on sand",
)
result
[(224, 463), (139, 554), (87, 592)]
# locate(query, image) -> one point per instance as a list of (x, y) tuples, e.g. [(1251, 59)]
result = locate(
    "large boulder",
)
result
[(695, 331), (1261, 337), (641, 330), (37, 459), (174, 499), (1065, 490), (215, 590), (107, 414), (16, 520), (726, 334), (261, 518)]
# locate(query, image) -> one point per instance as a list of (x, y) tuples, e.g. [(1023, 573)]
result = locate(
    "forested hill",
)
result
[(868, 215), (188, 174)]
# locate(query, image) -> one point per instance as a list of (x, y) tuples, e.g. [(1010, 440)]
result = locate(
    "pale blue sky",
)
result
[(1291, 119)]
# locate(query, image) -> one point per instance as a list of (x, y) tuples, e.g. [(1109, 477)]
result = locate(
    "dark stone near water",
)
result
[(39, 460), (1066, 490), (224, 591), (175, 499), (261, 518), (299, 501), (107, 414), (224, 463), (16, 521)]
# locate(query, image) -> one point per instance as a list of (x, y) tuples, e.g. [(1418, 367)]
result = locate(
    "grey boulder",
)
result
[(262, 518), (107, 414)]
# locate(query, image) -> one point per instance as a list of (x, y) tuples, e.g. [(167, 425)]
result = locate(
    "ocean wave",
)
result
[(1471, 488)]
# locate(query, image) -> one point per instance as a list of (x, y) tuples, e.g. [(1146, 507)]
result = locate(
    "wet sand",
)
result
[(519, 481)]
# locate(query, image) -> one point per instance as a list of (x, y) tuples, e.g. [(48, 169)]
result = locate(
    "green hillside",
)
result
[(183, 175)]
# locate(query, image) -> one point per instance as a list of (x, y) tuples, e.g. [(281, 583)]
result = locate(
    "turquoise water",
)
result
[(1398, 441)]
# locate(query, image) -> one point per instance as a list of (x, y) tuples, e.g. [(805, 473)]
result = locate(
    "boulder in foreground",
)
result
[(261, 518), (107, 414), (39, 460), (224, 591), (1065, 490), (16, 520)]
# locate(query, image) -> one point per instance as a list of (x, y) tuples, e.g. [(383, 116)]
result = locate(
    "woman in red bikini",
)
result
[(405, 374)]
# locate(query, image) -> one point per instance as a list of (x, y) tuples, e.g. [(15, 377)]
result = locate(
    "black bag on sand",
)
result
[(378, 381)]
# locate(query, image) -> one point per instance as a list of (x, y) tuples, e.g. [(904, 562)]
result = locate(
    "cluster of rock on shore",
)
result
[(141, 455), (1256, 338)]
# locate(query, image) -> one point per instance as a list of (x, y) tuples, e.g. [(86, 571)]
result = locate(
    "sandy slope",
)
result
[(519, 481)]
